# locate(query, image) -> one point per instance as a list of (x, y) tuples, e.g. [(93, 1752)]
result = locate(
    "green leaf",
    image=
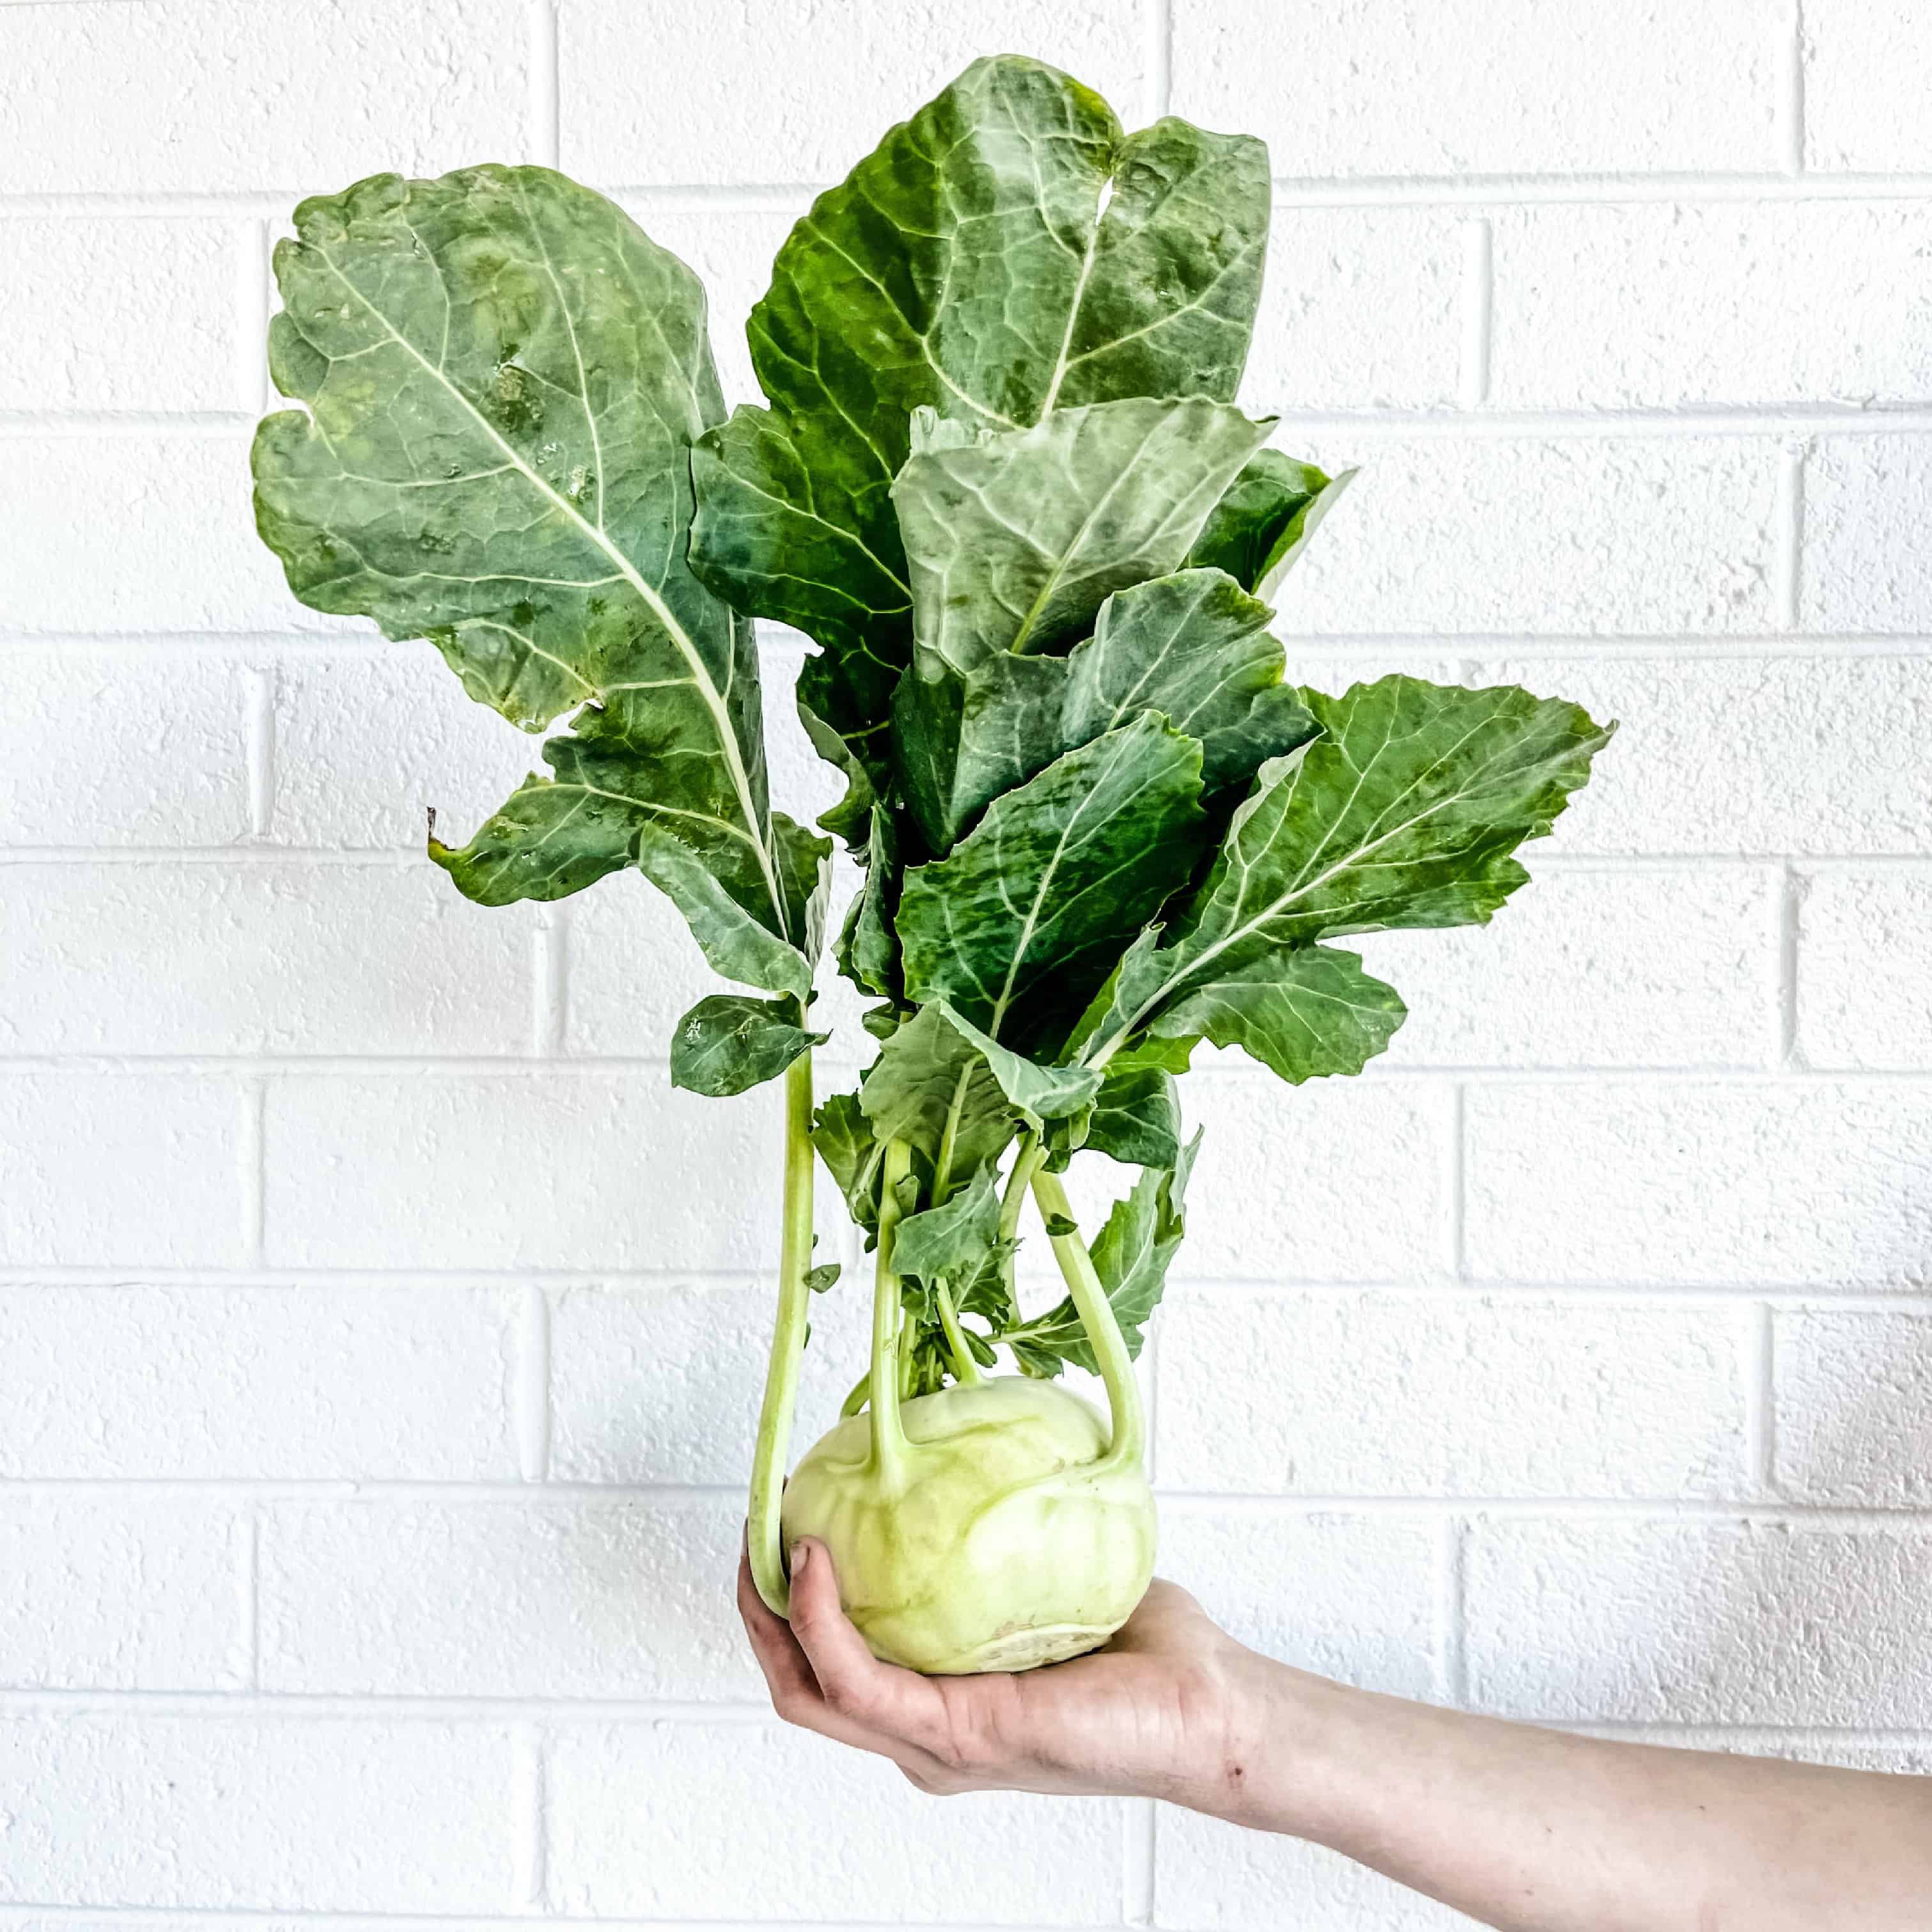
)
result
[(824, 1277), (954, 1239), (867, 951), (495, 456), (729, 1041), (1306, 1012), (1193, 646), (1040, 1093), (1404, 813), (1131, 1257), (1137, 1116), (844, 1138), (933, 1089), (1023, 920), (1260, 528), (966, 265), (1014, 543)]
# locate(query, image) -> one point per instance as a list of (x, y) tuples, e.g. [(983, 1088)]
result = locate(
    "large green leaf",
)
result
[(1005, 252), (503, 377), (1304, 1011), (952, 1242), (1404, 813), (1136, 1115), (1040, 1093), (1015, 541), (1193, 646), (932, 1088), (1259, 529), (1024, 919), (844, 1137)]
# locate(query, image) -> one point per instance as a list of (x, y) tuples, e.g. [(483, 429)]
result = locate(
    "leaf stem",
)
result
[(965, 1369), (763, 1528), (1128, 1440), (889, 1439), (1029, 1157)]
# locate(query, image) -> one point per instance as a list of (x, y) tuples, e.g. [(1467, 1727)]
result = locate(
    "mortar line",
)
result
[(1157, 34), (1788, 537), (1789, 904), (529, 1808), (252, 1178), (550, 972), (259, 741), (252, 388), (1455, 1186), (1139, 1824), (1761, 1402), (1452, 1590), (248, 1600), (545, 117), (1478, 298), (532, 1401), (1790, 65)]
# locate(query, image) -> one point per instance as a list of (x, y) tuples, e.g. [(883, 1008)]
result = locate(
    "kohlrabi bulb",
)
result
[(1002, 1546)]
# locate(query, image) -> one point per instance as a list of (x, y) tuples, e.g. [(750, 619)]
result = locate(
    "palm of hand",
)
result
[(1149, 1714)]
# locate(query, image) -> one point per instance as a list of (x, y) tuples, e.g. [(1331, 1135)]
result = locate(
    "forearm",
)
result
[(1534, 1831)]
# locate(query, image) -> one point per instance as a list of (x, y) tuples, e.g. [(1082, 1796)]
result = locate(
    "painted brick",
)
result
[(167, 757), (520, 1171), (792, 113), (1650, 305), (246, 1813), (1363, 1605), (118, 1596), (1378, 87), (776, 1824), (1867, 64), (1698, 1623), (128, 314), (109, 1169), (1362, 308), (1509, 534), (289, 1383), (1283, 1172), (1853, 1395), (1419, 1395), (100, 538), (1867, 498), (195, 96), (662, 1384), (1812, 1184), (1209, 1876), (567, 1600), (291, 959), (1865, 969), (1659, 967), (1745, 753), (367, 741)]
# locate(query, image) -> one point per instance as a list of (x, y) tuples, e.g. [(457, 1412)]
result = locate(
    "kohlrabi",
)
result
[(999, 479)]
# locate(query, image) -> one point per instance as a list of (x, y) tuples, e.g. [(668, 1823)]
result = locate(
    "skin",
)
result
[(1524, 1829)]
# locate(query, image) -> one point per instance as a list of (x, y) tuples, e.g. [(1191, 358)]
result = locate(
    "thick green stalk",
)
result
[(965, 1369), (768, 1465), (889, 1440), (1129, 1441)]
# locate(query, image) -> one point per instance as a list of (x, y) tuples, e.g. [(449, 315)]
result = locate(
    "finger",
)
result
[(883, 1697), (796, 1695)]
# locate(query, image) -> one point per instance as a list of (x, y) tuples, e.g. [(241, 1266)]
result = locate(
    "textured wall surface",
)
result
[(380, 1333)]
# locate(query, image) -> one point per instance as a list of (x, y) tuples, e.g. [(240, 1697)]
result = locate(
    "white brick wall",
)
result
[(380, 1333)]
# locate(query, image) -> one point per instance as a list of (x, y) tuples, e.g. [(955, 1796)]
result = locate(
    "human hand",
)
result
[(1152, 1714)]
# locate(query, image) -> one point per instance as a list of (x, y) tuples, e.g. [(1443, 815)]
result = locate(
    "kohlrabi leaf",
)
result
[(1404, 813), (1023, 921), (1258, 530), (1304, 1011), (1193, 646), (931, 1088), (867, 951), (844, 1138), (729, 1041), (495, 456), (952, 1241), (1014, 543), (1040, 1093), (1136, 1116), (1131, 1257), (965, 266)]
